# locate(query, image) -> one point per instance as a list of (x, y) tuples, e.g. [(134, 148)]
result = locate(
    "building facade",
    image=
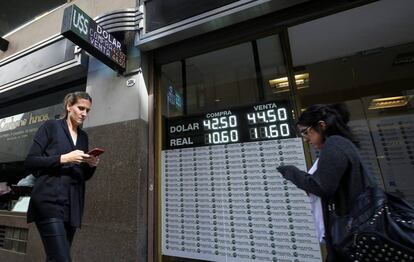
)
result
[(204, 111)]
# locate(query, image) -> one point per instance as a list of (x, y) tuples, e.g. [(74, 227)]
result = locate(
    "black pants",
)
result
[(57, 239)]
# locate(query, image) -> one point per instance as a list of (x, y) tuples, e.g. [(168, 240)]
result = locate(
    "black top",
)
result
[(340, 176), (59, 190)]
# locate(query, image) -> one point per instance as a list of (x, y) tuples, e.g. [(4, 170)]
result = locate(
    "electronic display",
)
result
[(82, 30), (265, 121)]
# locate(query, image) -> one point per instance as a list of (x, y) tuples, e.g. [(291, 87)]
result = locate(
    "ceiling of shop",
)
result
[(18, 12), (360, 52), (377, 25)]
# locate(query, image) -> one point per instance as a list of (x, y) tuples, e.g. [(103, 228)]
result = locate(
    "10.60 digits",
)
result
[(220, 137)]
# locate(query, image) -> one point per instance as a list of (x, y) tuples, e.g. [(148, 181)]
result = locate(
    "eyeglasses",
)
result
[(304, 132)]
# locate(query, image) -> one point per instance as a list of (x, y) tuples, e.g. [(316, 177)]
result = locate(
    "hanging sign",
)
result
[(82, 30)]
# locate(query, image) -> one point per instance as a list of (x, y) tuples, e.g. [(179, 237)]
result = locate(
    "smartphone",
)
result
[(96, 152)]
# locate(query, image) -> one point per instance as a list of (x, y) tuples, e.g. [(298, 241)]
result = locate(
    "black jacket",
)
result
[(339, 179), (59, 189), (340, 176)]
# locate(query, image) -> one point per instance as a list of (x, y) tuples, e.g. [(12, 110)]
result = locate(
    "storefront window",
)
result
[(272, 67), (371, 72), (230, 77), (18, 124), (220, 79), (16, 137), (221, 197), (172, 97), (375, 86)]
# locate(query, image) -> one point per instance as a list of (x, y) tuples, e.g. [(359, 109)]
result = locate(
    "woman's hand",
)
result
[(74, 157), (287, 171), (92, 161)]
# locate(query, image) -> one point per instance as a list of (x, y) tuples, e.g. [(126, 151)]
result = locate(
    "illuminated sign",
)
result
[(83, 31), (266, 121), (174, 98)]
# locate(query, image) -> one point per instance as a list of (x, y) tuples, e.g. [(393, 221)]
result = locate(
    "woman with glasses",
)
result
[(339, 175)]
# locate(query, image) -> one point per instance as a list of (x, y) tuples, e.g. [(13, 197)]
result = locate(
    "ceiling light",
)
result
[(403, 59), (389, 102), (282, 84)]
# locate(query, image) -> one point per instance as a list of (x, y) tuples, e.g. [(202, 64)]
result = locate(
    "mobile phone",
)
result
[(96, 152)]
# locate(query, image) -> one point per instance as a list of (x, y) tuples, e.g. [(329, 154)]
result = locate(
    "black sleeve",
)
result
[(303, 181), (325, 181), (37, 159), (87, 170)]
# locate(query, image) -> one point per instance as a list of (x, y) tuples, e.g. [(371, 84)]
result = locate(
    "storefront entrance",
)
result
[(228, 122), (222, 137)]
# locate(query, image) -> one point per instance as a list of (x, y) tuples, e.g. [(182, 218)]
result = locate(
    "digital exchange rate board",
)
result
[(227, 202), (272, 120)]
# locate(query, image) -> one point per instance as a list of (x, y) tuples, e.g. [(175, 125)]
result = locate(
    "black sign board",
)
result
[(4, 44), (266, 121), (17, 131), (86, 33)]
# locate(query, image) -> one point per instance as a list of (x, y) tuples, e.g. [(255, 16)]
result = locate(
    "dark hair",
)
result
[(336, 117), (71, 99)]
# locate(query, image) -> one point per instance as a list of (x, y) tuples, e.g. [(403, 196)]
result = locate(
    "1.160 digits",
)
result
[(268, 132)]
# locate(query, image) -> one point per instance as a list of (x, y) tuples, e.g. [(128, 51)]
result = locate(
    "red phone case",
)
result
[(96, 152)]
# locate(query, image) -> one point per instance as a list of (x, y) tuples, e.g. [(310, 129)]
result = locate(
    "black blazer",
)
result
[(59, 190)]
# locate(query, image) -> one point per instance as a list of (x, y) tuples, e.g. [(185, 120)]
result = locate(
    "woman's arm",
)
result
[(332, 164), (36, 159), (301, 179)]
